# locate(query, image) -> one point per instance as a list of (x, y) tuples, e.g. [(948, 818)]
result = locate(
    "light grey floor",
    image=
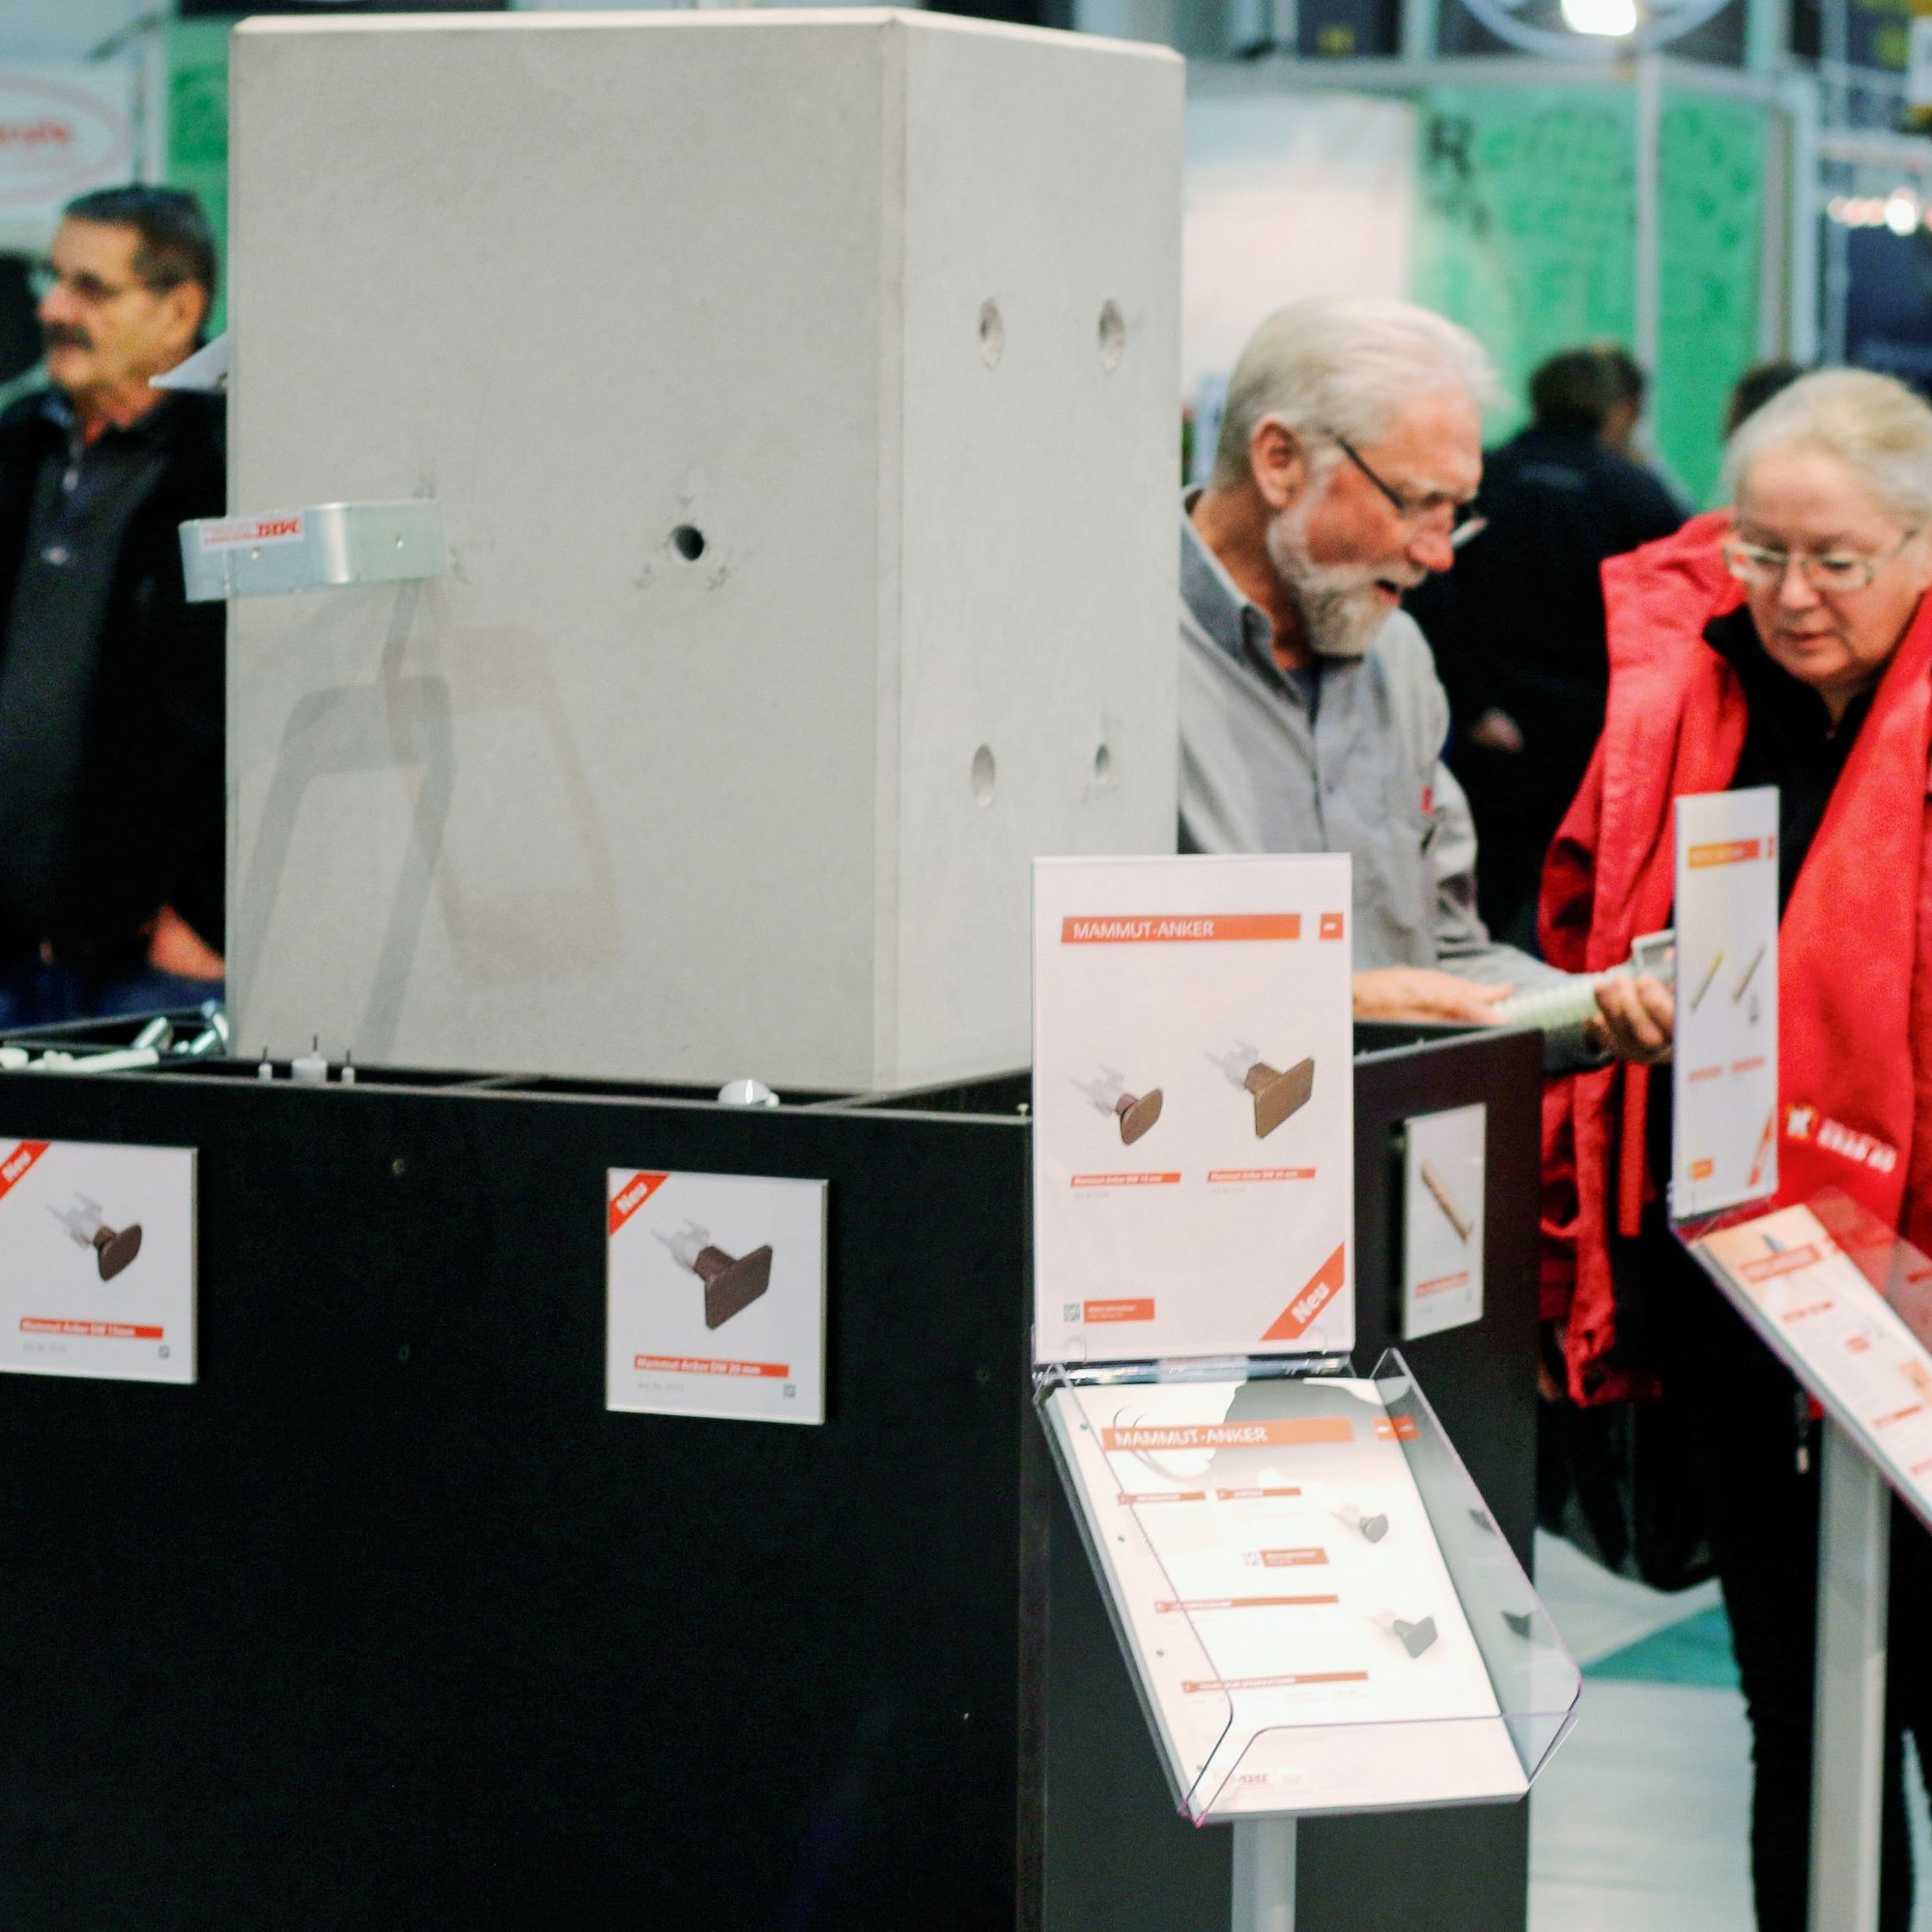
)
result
[(1639, 1824)]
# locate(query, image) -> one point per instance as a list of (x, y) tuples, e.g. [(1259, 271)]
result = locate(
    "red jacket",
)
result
[(1855, 947)]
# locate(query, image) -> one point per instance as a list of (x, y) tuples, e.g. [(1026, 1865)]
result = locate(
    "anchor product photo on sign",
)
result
[(715, 1295), (98, 1261)]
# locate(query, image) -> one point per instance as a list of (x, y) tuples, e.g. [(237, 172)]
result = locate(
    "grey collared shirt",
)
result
[(1344, 757)]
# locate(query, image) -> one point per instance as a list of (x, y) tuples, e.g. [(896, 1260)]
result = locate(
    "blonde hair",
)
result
[(1879, 429), (1346, 363)]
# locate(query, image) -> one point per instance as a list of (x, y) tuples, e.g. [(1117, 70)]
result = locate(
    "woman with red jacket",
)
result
[(1787, 641)]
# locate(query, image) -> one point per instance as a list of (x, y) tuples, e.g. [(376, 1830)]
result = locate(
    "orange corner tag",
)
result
[(1323, 1285), (1330, 926), (632, 1196)]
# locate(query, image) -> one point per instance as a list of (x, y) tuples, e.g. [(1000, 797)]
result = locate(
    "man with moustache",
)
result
[(111, 685), (1311, 715)]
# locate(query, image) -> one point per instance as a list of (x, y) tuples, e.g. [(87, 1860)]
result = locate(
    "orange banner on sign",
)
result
[(1126, 1179), (26, 1154), (1193, 1685), (110, 1331), (1169, 1605), (1731, 852), (1223, 1174), (698, 1365), (632, 1196), (1323, 1285), (1163, 928), (1789, 1263), (1116, 1311), (1274, 1435)]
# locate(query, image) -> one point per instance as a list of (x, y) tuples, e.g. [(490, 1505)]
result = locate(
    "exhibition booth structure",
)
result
[(794, 397), (611, 1392), (1318, 1608), (504, 1499), (1832, 1290)]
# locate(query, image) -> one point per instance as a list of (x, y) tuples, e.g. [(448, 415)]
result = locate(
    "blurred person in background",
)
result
[(1755, 388), (1311, 718), (1786, 642), (111, 685), (1518, 630)]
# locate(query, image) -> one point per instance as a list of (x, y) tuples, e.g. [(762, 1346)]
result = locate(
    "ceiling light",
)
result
[(1608, 19)]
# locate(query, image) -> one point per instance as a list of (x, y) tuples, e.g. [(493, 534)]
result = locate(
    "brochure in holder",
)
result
[(1318, 1611), (1845, 1302)]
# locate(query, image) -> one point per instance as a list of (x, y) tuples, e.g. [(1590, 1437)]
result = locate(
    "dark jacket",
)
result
[(150, 815), (1526, 634)]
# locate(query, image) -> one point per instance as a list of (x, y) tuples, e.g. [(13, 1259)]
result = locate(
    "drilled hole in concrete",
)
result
[(1103, 766), (992, 332), (688, 540), (983, 775), (1113, 335)]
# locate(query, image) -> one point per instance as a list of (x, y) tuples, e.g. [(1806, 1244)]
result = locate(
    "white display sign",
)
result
[(1193, 1108), (1844, 1341), (98, 1261), (716, 1287), (1282, 1594), (1724, 1064), (1443, 1177)]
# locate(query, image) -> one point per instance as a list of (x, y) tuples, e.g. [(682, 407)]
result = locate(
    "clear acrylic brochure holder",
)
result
[(1845, 1302), (1319, 1611)]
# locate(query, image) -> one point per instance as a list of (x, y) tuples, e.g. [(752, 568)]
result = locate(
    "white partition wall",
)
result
[(799, 391)]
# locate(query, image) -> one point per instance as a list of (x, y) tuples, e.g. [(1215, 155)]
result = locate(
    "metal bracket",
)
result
[(316, 549)]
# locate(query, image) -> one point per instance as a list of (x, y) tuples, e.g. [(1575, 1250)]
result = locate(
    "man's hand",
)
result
[(1421, 993), (1635, 1021), (1496, 731)]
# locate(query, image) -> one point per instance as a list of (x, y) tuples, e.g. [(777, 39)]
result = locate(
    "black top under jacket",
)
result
[(111, 684)]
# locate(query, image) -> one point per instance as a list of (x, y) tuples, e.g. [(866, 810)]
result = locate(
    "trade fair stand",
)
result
[(386, 1616), (1319, 1609)]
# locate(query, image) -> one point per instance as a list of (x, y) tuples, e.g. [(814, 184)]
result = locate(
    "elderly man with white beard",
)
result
[(1311, 715)]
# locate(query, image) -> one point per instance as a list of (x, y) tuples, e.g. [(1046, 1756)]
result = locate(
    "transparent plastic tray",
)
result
[(1845, 1302), (1315, 1606)]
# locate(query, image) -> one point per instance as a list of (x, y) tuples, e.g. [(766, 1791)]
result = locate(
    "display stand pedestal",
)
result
[(1264, 1876), (1848, 1756), (1846, 1305)]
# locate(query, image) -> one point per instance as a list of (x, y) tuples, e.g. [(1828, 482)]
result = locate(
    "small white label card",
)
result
[(716, 1287), (96, 1260), (1193, 1108), (1725, 1066), (1442, 1221)]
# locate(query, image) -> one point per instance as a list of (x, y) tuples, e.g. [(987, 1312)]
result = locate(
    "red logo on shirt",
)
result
[(1428, 800)]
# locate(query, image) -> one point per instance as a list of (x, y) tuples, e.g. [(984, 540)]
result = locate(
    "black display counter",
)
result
[(386, 1622)]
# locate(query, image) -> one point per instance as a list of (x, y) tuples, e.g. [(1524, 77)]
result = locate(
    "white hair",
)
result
[(1874, 425), (1347, 364)]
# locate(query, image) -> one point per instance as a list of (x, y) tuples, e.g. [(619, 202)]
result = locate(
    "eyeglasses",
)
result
[(1838, 572), (89, 290), (1414, 512)]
